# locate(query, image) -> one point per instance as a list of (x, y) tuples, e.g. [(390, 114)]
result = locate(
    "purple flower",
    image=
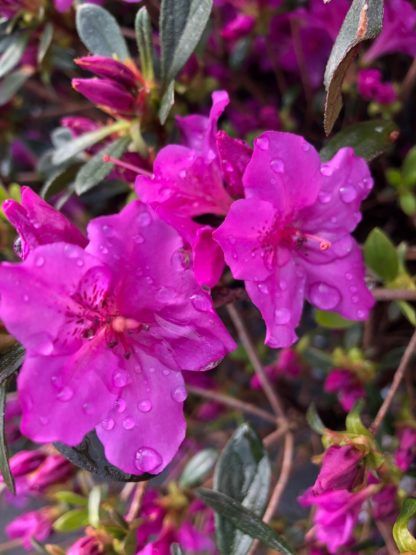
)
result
[(340, 469), (120, 319), (371, 87), (406, 452), (346, 385), (289, 239), (54, 469), (399, 31), (35, 524), (385, 505), (86, 546), (287, 364), (65, 5), (38, 223), (240, 26)]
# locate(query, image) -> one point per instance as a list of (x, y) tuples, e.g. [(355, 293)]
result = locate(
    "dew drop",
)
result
[(361, 314), (65, 394), (149, 280), (56, 381), (348, 276), (306, 146), (105, 228), (355, 299), (103, 249), (282, 316), (277, 166), (138, 238), (343, 246), (145, 405), (87, 408), (201, 302), (283, 285), (179, 394), (183, 174), (324, 296), (108, 424), (165, 372), (324, 198), (120, 378), (147, 459), (144, 219), (43, 420), (39, 261), (80, 263), (120, 405), (181, 259), (26, 298), (348, 193), (326, 170), (263, 288), (262, 143), (128, 423), (70, 251)]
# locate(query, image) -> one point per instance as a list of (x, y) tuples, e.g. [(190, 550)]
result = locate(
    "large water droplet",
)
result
[(39, 261), (120, 378), (25, 297), (201, 302), (348, 193), (277, 165), (65, 394), (181, 259), (282, 316), (120, 405), (108, 424), (70, 251), (262, 143), (147, 459), (348, 276), (138, 238), (327, 171), (145, 405), (144, 219), (324, 197), (324, 296), (361, 314), (263, 288), (183, 174), (56, 381), (179, 394), (128, 423)]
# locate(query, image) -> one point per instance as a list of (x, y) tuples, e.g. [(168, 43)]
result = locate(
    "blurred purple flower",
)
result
[(371, 87), (287, 365), (86, 546), (406, 452), (346, 385), (341, 469), (35, 524)]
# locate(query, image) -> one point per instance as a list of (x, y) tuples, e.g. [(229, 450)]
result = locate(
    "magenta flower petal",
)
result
[(234, 155), (105, 92), (208, 258)]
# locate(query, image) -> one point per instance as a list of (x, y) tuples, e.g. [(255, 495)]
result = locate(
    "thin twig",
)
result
[(136, 502), (398, 377), (231, 402), (409, 81), (271, 395), (386, 534), (381, 294)]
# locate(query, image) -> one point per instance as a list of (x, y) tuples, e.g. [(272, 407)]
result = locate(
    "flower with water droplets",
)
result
[(289, 239), (108, 352)]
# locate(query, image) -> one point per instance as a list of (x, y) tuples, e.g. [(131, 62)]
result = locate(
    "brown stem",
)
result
[(385, 532), (382, 294), (231, 402), (409, 81), (398, 377), (255, 361)]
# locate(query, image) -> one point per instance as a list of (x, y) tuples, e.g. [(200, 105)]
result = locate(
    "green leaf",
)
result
[(71, 521), (405, 541), (332, 320), (100, 32), (95, 170), (94, 501), (353, 421), (409, 168), (175, 549), (14, 52), (369, 139), (407, 202), (198, 468), (363, 21), (10, 361), (13, 82), (71, 498), (167, 102), (244, 520), (380, 255), (182, 23), (243, 473), (143, 30), (408, 311), (314, 420), (45, 42), (4, 458), (59, 181)]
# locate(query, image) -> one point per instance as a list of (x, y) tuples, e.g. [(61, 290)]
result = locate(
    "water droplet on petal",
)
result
[(165, 372), (262, 143), (120, 378), (283, 285), (282, 316), (145, 405), (326, 170), (182, 174), (43, 420), (144, 219), (348, 193), (108, 424), (80, 263), (355, 299), (306, 146), (324, 296), (65, 394), (277, 166), (138, 238), (263, 288), (349, 276), (39, 261), (120, 405), (103, 249), (201, 302), (324, 198), (26, 298), (128, 423), (70, 251), (149, 280), (361, 314), (147, 459), (179, 394), (87, 408), (181, 259), (56, 381), (343, 246)]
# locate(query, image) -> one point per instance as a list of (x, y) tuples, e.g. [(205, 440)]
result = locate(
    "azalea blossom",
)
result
[(346, 385), (340, 469), (290, 238), (120, 320), (35, 524)]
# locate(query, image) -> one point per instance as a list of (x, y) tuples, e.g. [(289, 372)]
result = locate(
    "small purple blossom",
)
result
[(406, 452), (346, 385), (287, 364), (371, 87), (340, 469), (289, 239), (112, 338), (86, 546), (35, 524)]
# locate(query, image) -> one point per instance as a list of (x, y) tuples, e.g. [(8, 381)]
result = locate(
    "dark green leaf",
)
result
[(95, 170), (10, 361), (363, 21), (100, 32), (71, 521), (45, 42), (13, 53), (144, 42), (407, 202), (405, 541), (243, 473), (369, 139), (13, 82), (381, 255), (408, 311), (182, 23), (4, 458), (198, 468), (167, 102), (314, 420), (59, 181), (244, 520), (409, 168)]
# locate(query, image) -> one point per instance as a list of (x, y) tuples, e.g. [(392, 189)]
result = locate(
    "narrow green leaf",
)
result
[(167, 102), (175, 549), (45, 42), (243, 473), (14, 52), (13, 82), (94, 501), (71, 520), (143, 30), (95, 170), (10, 361), (182, 23), (363, 21), (408, 311), (198, 468), (314, 420), (71, 498), (353, 422), (332, 320), (405, 541), (369, 139), (4, 457), (100, 32), (381, 255), (244, 520), (59, 181)]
